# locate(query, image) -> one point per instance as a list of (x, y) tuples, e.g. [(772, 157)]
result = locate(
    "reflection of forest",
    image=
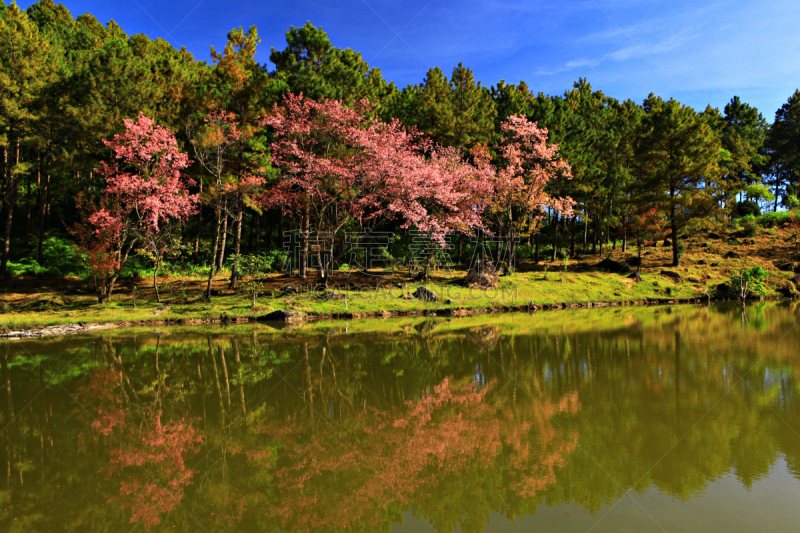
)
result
[(256, 430)]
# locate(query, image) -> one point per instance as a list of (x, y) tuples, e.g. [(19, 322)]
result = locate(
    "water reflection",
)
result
[(450, 423)]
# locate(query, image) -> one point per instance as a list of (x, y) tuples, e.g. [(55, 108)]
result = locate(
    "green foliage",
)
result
[(783, 144), (758, 191), (564, 255), (312, 65), (750, 281), (263, 263), (679, 155), (69, 81), (775, 218), (748, 207), (749, 226), (60, 258)]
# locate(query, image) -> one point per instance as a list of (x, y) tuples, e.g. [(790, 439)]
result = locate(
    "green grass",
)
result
[(41, 301), (518, 289)]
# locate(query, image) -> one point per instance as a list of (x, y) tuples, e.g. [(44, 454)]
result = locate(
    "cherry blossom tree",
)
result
[(339, 165), (527, 164), (145, 192)]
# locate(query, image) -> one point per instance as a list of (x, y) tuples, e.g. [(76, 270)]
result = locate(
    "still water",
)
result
[(650, 419)]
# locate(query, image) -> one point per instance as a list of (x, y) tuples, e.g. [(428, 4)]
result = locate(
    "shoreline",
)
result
[(286, 317)]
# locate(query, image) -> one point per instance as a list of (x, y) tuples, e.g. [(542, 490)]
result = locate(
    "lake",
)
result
[(683, 418)]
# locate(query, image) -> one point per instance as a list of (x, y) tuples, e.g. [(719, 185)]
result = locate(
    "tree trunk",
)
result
[(624, 236), (258, 232), (250, 236), (585, 231), (639, 252), (43, 217), (555, 235), (303, 256), (11, 197), (9, 218), (512, 253), (29, 206), (104, 294), (676, 258), (279, 237), (221, 261), (572, 236), (199, 228), (214, 253), (237, 244), (156, 266)]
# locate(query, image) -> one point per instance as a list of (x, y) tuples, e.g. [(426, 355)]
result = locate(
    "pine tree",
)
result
[(24, 72), (433, 113), (783, 143), (242, 88), (510, 99), (311, 65), (680, 160), (473, 111)]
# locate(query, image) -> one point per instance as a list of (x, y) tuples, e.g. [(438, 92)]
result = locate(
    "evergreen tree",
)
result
[(783, 143), (741, 132), (24, 72), (311, 65), (242, 88), (433, 110), (473, 110), (510, 99), (679, 157), (744, 138)]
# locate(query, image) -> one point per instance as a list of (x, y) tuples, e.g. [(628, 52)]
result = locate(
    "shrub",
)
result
[(59, 258), (748, 207), (26, 266), (776, 218), (564, 254), (749, 226), (749, 281), (255, 264)]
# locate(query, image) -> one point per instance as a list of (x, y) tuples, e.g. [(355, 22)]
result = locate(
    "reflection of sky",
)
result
[(700, 52), (725, 506)]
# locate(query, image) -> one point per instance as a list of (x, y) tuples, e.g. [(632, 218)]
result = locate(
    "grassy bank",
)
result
[(28, 302)]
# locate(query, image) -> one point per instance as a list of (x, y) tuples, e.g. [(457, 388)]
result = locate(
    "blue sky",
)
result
[(700, 52)]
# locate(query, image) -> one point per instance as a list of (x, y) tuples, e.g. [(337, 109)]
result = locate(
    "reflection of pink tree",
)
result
[(146, 452), (397, 456), (145, 192), (536, 447), (151, 462)]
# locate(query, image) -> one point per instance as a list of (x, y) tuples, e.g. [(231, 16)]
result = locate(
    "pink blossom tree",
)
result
[(339, 165), (146, 193), (527, 163)]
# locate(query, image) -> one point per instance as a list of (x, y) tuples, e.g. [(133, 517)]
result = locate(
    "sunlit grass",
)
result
[(67, 300)]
